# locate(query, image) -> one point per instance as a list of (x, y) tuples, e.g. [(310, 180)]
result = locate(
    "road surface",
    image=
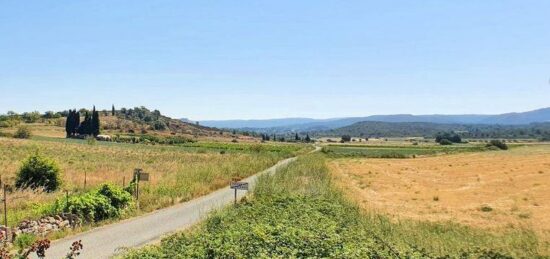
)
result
[(106, 241)]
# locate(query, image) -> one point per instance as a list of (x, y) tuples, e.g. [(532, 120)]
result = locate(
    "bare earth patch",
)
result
[(490, 190)]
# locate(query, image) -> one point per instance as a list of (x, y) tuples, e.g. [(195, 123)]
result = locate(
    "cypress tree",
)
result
[(308, 139), (297, 138), (95, 123), (113, 110), (76, 122), (84, 128), (69, 123)]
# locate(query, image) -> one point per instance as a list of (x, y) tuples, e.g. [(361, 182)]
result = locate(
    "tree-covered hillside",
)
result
[(429, 130)]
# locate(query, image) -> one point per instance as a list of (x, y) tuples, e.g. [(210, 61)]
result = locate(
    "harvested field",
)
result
[(489, 190)]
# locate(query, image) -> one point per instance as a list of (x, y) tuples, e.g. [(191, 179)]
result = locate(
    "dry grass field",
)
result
[(495, 190), (178, 173)]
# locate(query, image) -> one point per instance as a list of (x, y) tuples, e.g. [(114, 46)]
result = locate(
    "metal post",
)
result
[(5, 207), (235, 196)]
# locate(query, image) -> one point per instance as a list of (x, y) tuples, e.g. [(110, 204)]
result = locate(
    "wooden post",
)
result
[(136, 180), (85, 176), (123, 181), (5, 207)]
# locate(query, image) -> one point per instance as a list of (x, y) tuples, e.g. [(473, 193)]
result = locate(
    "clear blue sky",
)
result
[(266, 59)]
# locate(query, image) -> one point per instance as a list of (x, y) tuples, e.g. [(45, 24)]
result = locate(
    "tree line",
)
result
[(89, 126)]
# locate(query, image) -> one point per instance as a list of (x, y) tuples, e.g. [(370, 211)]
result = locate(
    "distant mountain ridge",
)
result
[(308, 124)]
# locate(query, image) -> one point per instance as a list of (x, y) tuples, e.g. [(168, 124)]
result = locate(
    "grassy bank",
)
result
[(299, 213), (178, 173)]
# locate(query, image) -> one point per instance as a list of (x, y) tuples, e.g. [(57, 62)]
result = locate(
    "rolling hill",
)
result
[(308, 124)]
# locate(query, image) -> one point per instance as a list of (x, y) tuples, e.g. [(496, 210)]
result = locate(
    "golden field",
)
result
[(497, 190)]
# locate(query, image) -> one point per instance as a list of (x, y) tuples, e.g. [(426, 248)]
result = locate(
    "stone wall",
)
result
[(42, 226)]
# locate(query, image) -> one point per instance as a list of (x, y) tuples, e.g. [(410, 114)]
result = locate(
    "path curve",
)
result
[(106, 241)]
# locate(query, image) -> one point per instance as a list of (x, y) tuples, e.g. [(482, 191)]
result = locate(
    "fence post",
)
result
[(5, 207)]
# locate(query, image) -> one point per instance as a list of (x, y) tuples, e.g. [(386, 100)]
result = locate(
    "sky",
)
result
[(270, 59)]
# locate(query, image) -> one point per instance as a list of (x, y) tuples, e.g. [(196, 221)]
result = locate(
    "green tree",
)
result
[(69, 124), (113, 110), (95, 123), (38, 172), (85, 126)]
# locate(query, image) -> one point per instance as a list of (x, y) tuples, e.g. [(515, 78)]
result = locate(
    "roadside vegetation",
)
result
[(298, 212)]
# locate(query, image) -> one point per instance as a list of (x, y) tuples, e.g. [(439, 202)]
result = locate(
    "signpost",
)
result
[(139, 175), (238, 186)]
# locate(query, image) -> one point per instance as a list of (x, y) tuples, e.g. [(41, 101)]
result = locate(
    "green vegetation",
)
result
[(373, 151), (107, 201), (143, 115), (22, 132), (23, 241), (298, 213), (151, 139), (447, 138), (373, 129), (178, 172), (497, 144), (39, 172), (445, 142)]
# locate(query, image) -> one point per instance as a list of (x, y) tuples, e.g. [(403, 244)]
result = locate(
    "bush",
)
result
[(346, 138), (119, 197), (22, 132), (452, 137), (445, 142), (497, 143), (39, 172), (23, 240), (106, 202)]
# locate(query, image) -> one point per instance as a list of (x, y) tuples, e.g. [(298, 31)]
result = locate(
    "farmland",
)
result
[(495, 191), (399, 150), (310, 210), (178, 172)]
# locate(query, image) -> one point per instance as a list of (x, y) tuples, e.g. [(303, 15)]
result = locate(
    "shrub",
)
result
[(119, 197), (445, 142), (346, 138), (452, 137), (38, 172), (497, 143), (106, 202), (486, 208), (23, 240), (22, 132)]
